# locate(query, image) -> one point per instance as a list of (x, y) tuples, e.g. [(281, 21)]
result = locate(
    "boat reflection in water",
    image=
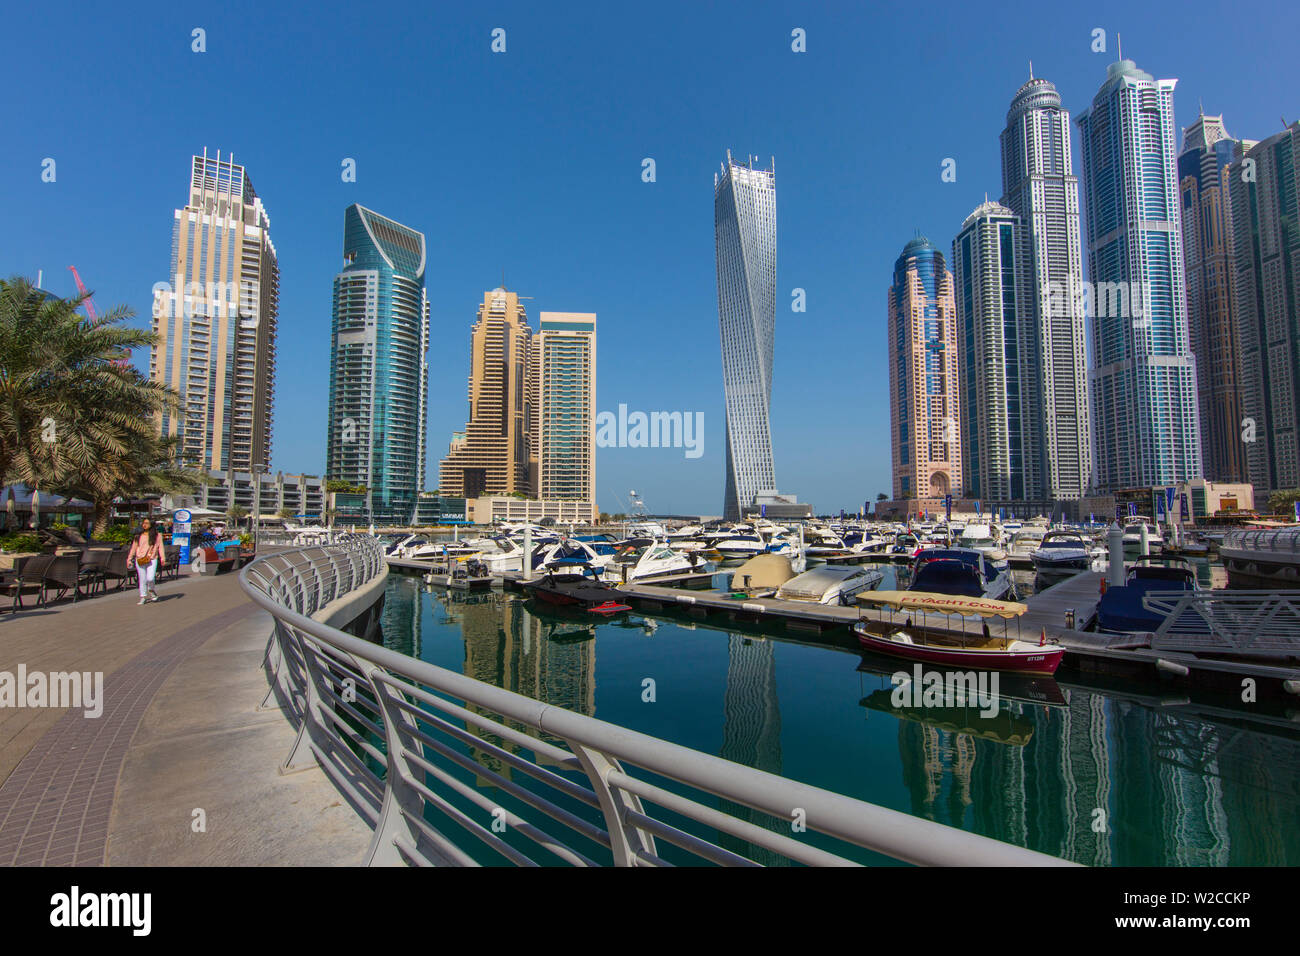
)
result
[(1099, 773)]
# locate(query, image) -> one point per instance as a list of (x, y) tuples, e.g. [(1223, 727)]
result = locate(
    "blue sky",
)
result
[(530, 162)]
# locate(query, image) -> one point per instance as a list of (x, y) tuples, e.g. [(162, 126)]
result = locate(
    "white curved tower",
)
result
[(744, 221)]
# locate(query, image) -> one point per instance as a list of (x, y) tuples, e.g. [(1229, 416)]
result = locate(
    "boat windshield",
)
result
[(948, 576)]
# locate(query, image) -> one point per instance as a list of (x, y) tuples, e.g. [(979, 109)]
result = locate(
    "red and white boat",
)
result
[(981, 649)]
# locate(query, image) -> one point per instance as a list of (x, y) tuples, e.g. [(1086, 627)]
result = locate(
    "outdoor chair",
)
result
[(172, 565), (117, 568), (63, 574), (93, 564), (30, 579)]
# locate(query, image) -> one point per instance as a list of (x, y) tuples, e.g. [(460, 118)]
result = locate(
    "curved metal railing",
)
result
[(1275, 540), (423, 753)]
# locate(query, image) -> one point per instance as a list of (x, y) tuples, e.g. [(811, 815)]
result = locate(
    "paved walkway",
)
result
[(180, 732)]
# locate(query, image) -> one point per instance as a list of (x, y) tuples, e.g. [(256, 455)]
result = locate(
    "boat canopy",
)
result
[(944, 603), (763, 571)]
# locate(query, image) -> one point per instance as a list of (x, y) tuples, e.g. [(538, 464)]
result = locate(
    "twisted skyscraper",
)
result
[(744, 221)]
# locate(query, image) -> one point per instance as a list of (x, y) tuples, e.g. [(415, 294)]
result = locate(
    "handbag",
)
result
[(143, 561)]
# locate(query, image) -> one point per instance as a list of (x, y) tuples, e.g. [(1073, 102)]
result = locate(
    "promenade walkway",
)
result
[(181, 767)]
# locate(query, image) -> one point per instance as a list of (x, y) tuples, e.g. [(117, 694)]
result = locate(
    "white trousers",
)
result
[(146, 576)]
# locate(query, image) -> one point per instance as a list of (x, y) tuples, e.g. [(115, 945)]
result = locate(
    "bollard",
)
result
[(1145, 537), (528, 552), (1115, 544), (1069, 619)]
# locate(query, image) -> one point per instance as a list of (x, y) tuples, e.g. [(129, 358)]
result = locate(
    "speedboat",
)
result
[(1133, 536), (829, 584), (569, 553), (1063, 552), (1122, 609), (660, 561), (863, 541), (959, 572), (741, 546), (1026, 542), (573, 589)]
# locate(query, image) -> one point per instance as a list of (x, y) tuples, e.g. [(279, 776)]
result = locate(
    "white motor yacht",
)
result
[(830, 584), (1064, 552), (659, 561), (960, 571), (1133, 536)]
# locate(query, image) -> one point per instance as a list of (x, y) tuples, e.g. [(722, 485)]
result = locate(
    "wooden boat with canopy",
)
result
[(955, 646)]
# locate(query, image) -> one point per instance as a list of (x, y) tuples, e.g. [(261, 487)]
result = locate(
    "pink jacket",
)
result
[(137, 548)]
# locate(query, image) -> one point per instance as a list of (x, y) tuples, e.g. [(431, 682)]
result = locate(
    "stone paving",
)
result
[(121, 787)]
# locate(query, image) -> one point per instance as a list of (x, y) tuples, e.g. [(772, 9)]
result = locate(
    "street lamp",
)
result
[(258, 472)]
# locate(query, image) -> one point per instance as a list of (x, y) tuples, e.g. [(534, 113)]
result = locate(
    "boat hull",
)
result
[(1040, 660)]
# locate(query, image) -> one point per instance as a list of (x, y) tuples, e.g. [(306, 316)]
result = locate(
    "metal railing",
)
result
[(1242, 622), (1269, 540), (423, 752)]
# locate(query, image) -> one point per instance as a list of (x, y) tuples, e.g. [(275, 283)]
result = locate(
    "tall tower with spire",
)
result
[(1038, 185), (1146, 423)]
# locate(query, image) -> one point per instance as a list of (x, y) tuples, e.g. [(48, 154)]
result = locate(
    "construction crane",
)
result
[(81, 287), (124, 357)]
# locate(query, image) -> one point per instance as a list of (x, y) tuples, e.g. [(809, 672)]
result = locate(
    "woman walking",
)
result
[(146, 551)]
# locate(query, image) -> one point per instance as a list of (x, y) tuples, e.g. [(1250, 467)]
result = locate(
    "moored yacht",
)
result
[(960, 571), (1064, 552)]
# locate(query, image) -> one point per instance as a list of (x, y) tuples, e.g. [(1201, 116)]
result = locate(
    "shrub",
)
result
[(19, 543), (118, 534)]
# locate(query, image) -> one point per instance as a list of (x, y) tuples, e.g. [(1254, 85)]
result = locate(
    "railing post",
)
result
[(400, 798), (624, 841)]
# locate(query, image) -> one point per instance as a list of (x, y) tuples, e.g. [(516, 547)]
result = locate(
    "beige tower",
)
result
[(495, 454), (923, 376), (215, 321), (565, 397)]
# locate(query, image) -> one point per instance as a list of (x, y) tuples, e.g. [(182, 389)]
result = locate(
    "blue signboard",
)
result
[(1132, 509), (978, 509), (181, 520), (1184, 509), (947, 507), (1169, 499), (1297, 508), (1160, 507)]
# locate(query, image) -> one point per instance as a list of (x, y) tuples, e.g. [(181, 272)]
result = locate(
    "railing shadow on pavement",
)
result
[(422, 752)]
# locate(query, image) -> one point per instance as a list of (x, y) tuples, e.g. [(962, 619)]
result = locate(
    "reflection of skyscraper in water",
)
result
[(751, 734), (401, 616), (508, 647)]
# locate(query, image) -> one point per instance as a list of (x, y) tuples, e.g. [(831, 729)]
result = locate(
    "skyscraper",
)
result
[(566, 401), (495, 452), (216, 321), (379, 367), (744, 226), (1146, 428), (1264, 185), (1039, 186), (1208, 150), (1000, 400), (923, 400)]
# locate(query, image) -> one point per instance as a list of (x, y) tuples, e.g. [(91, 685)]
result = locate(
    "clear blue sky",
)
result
[(530, 162)]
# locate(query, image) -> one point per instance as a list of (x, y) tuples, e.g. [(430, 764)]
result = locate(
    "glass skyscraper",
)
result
[(1146, 426), (566, 401), (744, 219), (379, 365), (1264, 185), (215, 321), (1208, 150), (923, 400), (1039, 185), (1001, 407)]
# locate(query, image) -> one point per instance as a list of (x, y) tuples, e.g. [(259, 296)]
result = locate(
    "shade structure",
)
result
[(927, 601)]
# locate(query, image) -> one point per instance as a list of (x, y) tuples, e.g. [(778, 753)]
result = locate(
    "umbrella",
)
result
[(36, 508), (9, 506)]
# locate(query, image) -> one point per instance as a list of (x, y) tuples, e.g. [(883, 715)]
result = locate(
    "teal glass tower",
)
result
[(379, 370)]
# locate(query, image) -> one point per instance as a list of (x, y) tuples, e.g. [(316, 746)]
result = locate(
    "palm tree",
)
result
[(69, 402), (236, 513)]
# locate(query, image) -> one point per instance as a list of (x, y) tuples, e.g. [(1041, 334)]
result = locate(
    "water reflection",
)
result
[(1099, 775)]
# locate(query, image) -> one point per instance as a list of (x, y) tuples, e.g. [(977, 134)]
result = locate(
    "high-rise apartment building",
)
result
[(1264, 185), (565, 397), (1146, 425), (215, 321), (1000, 401), (495, 454), (1203, 164), (744, 218), (379, 371), (923, 398), (1039, 186)]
